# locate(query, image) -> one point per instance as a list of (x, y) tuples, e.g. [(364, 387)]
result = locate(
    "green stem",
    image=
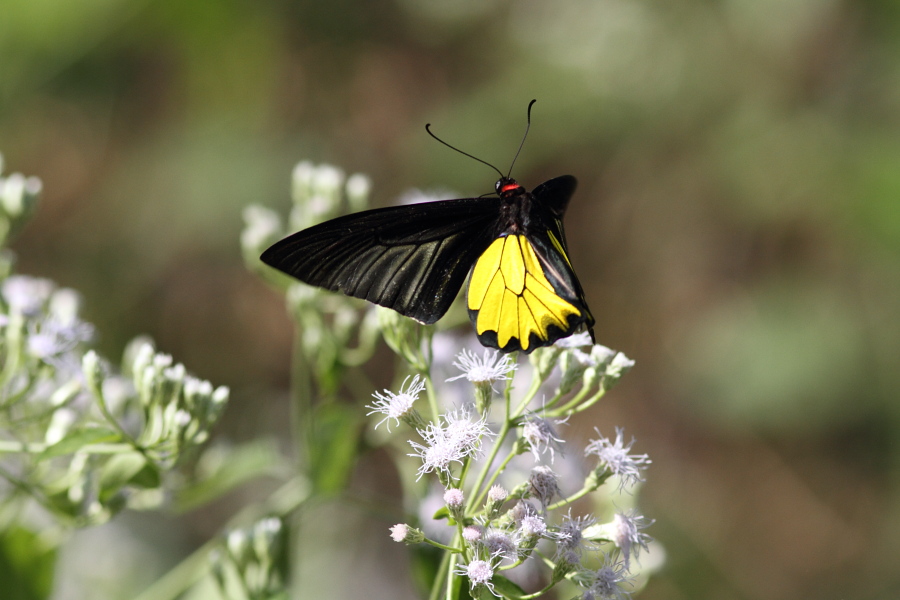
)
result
[(556, 398), (14, 341), (26, 488), (536, 594), (565, 501), (7, 446), (189, 571), (301, 398), (185, 574), (107, 414), (439, 580), (442, 546), (477, 491), (465, 547), (432, 397), (575, 405), (450, 569), (510, 566), (536, 382), (465, 471), (493, 478)]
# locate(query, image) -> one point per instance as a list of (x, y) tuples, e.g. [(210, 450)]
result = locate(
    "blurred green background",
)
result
[(736, 229)]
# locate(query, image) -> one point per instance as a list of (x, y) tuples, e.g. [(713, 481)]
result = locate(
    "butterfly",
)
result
[(523, 292)]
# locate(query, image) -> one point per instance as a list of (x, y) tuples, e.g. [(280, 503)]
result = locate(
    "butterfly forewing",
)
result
[(413, 259)]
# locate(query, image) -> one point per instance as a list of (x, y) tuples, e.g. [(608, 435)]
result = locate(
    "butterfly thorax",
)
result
[(516, 207)]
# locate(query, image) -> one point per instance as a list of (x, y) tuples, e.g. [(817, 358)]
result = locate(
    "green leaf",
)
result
[(231, 468), (128, 468), (425, 561), (26, 565), (334, 448), (441, 513), (507, 588), (79, 438), (460, 588)]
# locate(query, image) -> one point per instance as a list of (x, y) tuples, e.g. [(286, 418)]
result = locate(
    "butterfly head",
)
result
[(508, 187)]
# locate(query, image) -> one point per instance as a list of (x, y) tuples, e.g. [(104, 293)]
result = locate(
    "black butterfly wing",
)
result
[(556, 193), (412, 259)]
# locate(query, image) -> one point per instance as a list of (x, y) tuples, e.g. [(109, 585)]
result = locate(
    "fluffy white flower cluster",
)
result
[(497, 530)]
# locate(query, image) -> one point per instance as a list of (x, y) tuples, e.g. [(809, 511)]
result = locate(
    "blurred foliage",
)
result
[(737, 228)]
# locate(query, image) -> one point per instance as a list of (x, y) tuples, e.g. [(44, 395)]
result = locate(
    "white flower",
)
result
[(577, 340), (625, 531), (480, 573), (607, 582), (540, 435), (614, 456), (491, 367), (498, 543), (357, 190), (599, 355), (543, 485), (401, 532), (52, 341), (520, 511), (454, 499), (620, 365), (448, 442), (464, 432), (396, 406), (26, 295), (532, 526), (497, 493), (417, 196), (263, 225), (570, 537), (472, 534)]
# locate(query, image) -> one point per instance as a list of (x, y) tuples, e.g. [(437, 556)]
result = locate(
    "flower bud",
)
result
[(262, 228), (301, 181), (543, 485), (316, 193), (620, 365), (572, 369), (597, 361), (265, 538), (401, 532), (404, 336), (455, 502), (496, 496), (472, 534), (60, 423), (93, 372), (544, 359), (19, 194), (238, 544), (64, 305), (357, 189), (567, 562)]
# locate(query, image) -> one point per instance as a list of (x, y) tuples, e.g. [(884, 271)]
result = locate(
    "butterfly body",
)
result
[(523, 292)]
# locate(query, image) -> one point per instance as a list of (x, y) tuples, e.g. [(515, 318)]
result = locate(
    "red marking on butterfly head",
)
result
[(507, 186)]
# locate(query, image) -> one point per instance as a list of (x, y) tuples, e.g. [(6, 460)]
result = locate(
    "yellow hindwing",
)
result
[(512, 295)]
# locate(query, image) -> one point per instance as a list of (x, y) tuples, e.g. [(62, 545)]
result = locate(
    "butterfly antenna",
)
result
[(527, 127), (427, 128)]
